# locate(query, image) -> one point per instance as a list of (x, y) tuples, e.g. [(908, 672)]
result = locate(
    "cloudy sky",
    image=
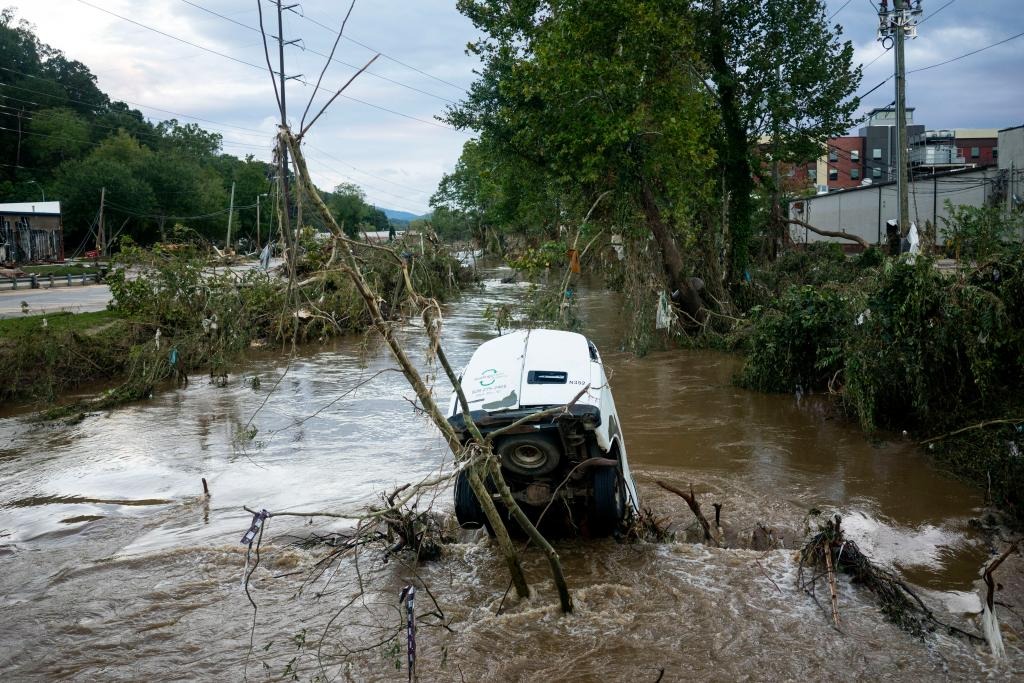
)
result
[(386, 139)]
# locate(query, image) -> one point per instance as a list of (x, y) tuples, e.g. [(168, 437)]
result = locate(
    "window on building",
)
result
[(876, 173), (812, 174), (833, 174), (876, 153), (854, 155), (854, 173), (833, 154), (995, 152), (975, 152)]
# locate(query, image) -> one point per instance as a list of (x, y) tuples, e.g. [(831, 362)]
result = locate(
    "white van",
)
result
[(572, 463)]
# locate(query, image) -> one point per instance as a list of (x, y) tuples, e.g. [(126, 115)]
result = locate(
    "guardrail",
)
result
[(36, 281)]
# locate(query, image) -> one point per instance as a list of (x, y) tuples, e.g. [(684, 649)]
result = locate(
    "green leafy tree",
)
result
[(780, 72), (59, 134), (600, 96), (348, 206)]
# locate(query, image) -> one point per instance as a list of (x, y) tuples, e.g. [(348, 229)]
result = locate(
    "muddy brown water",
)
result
[(113, 567)]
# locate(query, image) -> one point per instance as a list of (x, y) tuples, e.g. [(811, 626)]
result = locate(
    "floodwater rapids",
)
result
[(113, 566)]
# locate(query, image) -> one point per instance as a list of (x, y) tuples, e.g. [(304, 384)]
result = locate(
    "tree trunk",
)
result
[(688, 298), (841, 234), (732, 148)]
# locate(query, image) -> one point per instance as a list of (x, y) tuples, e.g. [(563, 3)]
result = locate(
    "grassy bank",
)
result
[(44, 356)]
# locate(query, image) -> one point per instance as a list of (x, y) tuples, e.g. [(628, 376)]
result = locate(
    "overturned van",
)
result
[(572, 462)]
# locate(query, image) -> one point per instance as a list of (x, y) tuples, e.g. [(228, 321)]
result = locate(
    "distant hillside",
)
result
[(402, 216)]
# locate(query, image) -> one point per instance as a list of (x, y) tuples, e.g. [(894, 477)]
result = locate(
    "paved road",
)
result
[(77, 299)]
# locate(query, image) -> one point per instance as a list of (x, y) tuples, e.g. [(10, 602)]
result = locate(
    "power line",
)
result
[(386, 180), (106, 107), (936, 12), (116, 129), (385, 55), (968, 54), (839, 10), (260, 68), (321, 54), (360, 184), (938, 64)]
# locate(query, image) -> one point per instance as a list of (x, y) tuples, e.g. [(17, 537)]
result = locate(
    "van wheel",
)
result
[(531, 455), (467, 508), (608, 505)]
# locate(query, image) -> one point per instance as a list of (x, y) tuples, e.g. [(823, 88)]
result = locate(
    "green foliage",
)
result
[(535, 261), (797, 343), (930, 350), (978, 232), (40, 361), (781, 73), (908, 345), (991, 459)]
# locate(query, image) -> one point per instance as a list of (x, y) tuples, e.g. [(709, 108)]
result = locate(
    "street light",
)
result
[(40, 188)]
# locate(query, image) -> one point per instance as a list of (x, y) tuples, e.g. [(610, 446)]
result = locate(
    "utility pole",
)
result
[(290, 239), (231, 212), (893, 28), (258, 197), (99, 233)]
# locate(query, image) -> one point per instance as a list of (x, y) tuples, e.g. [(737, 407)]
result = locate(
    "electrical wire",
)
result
[(839, 10), (321, 54), (261, 68), (936, 12), (107, 109), (967, 54), (381, 53)]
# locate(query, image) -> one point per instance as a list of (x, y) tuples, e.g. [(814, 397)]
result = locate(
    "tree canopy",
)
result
[(662, 104)]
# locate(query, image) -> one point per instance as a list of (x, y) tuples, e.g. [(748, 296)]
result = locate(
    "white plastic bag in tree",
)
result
[(665, 314), (914, 241)]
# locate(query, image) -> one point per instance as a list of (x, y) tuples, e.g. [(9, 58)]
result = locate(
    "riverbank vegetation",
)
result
[(173, 314)]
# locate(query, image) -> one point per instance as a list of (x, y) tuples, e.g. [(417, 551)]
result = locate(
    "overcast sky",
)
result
[(398, 156)]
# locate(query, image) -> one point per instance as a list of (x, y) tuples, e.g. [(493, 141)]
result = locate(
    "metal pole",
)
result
[(231, 212), (901, 119), (258, 221), (99, 234)]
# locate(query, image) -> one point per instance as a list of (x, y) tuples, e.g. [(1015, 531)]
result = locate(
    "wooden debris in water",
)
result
[(828, 552)]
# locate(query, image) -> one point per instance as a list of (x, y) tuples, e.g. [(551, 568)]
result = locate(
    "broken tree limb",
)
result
[(423, 393), (833, 593), (979, 425), (840, 234), (691, 500), (990, 624)]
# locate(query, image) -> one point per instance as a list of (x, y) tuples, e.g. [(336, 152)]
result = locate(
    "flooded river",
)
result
[(113, 566)]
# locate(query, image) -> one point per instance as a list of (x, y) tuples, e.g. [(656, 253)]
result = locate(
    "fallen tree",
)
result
[(839, 234)]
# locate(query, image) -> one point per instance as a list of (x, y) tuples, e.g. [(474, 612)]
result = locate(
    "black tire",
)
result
[(530, 455), (467, 508), (608, 505)]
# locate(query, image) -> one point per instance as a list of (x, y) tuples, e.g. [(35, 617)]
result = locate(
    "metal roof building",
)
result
[(31, 231)]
